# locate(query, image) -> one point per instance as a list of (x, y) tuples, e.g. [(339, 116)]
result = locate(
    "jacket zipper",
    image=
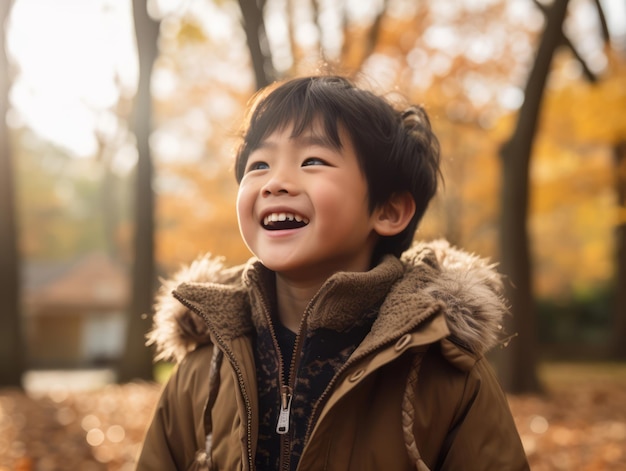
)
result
[(237, 369), (287, 386)]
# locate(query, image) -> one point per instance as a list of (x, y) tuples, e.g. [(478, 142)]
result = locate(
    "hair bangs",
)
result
[(302, 106)]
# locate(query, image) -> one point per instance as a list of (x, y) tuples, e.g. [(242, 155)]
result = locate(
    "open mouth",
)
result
[(284, 221)]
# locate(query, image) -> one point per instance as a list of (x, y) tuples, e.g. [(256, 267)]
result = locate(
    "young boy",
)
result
[(340, 346)]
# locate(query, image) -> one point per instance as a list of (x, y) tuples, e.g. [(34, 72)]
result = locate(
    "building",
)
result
[(74, 312)]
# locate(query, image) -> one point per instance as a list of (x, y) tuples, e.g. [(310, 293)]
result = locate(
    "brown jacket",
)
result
[(417, 392)]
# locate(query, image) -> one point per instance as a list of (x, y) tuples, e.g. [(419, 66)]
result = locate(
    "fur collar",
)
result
[(429, 275)]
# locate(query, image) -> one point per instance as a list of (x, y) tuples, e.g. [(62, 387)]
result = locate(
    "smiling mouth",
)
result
[(284, 221)]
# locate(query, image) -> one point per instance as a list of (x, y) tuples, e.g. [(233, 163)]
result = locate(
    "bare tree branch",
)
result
[(603, 24), (291, 7), (258, 44), (565, 41), (371, 40), (587, 72), (374, 33), (320, 30)]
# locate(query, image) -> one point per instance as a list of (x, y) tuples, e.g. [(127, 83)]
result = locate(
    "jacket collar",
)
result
[(344, 300), (405, 291)]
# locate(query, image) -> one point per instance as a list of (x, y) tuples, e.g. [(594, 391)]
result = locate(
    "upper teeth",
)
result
[(275, 217)]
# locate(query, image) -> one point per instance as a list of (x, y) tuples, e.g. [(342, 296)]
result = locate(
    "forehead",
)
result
[(315, 134), (298, 125)]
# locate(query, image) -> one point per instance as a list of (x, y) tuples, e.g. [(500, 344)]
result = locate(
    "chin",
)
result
[(279, 267)]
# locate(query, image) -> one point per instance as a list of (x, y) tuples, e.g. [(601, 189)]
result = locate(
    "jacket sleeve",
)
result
[(483, 435), (175, 438)]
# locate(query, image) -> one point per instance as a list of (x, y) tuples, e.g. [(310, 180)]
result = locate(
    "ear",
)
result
[(394, 215)]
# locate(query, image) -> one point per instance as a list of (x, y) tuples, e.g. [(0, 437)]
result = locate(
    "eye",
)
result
[(257, 165), (313, 161)]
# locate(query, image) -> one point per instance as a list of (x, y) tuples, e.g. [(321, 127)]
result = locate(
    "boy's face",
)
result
[(303, 207)]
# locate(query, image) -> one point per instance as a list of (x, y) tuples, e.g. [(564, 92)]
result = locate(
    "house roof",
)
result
[(93, 280)]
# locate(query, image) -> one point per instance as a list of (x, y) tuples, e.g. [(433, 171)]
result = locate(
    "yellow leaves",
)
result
[(585, 111), (571, 219), (562, 175), (619, 216), (190, 31), (573, 244)]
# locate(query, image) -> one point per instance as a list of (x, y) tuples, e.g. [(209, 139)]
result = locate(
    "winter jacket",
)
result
[(415, 393)]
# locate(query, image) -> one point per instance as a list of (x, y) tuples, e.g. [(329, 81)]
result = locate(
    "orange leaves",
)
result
[(197, 215)]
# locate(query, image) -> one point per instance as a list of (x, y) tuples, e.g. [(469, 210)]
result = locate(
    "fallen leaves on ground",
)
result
[(579, 424), (64, 430)]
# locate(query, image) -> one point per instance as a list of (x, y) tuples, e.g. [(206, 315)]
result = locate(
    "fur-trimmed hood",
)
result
[(467, 287)]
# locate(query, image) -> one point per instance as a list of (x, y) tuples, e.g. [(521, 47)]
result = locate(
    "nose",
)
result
[(280, 183)]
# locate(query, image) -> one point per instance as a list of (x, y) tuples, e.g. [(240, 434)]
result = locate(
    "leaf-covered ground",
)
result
[(579, 424)]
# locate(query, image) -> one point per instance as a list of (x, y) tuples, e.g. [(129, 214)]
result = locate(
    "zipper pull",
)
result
[(285, 407)]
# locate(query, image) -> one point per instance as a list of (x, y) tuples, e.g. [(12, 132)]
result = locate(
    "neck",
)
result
[(292, 299), (295, 289)]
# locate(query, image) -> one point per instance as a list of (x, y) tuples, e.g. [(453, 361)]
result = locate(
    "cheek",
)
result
[(340, 198), (326, 204), (245, 204)]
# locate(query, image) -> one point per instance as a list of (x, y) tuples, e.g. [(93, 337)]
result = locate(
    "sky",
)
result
[(69, 57), (73, 58)]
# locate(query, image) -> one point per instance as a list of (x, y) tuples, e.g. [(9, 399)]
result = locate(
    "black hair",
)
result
[(397, 149)]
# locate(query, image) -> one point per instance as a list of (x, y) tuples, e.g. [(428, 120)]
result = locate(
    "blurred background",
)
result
[(120, 118)]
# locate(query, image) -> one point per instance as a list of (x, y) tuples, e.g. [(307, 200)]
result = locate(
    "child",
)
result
[(340, 346)]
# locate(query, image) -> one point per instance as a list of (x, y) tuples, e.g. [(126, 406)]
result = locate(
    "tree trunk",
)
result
[(108, 205), (11, 351), (260, 54), (137, 360), (518, 369), (619, 310)]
